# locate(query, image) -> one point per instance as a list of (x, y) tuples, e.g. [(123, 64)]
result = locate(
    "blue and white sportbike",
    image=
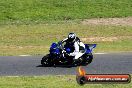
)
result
[(59, 55)]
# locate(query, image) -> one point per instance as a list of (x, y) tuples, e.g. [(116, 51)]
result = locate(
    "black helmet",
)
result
[(71, 37)]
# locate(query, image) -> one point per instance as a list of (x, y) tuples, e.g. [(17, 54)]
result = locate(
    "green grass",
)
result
[(66, 81), (36, 39), (30, 26), (29, 11)]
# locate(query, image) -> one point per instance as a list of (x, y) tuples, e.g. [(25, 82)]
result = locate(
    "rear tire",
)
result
[(87, 59), (46, 61), (90, 59)]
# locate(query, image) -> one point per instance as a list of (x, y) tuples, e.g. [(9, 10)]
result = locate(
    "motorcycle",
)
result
[(59, 55)]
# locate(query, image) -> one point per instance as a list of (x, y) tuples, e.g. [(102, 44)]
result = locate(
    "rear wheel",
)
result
[(90, 59), (87, 59), (46, 61)]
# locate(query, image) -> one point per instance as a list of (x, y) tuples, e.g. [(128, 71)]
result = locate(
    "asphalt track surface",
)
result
[(115, 63)]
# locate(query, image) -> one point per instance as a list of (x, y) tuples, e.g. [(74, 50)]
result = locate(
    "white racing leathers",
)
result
[(79, 48)]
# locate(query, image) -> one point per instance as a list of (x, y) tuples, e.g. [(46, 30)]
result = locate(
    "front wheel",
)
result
[(46, 61)]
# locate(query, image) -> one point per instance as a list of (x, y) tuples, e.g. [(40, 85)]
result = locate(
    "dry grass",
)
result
[(36, 39)]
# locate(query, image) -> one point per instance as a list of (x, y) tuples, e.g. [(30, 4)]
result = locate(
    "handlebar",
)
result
[(60, 45), (62, 48)]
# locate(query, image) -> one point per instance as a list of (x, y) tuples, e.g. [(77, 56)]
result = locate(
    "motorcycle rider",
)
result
[(76, 46)]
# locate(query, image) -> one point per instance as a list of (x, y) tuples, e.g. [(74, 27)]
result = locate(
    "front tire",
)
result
[(46, 61)]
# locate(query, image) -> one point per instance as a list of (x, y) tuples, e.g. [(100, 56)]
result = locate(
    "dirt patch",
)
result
[(109, 21), (97, 39), (105, 39)]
